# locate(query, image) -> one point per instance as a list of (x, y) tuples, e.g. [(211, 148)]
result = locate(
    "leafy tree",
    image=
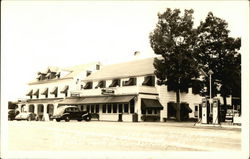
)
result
[(218, 52), (174, 39)]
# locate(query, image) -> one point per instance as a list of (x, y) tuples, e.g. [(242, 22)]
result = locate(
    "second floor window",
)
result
[(130, 82), (115, 82), (149, 81), (88, 85), (101, 84)]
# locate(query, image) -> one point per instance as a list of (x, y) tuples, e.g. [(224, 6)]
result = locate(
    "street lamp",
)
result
[(210, 72)]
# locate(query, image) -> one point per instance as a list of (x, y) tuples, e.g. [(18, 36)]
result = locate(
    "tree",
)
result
[(174, 39), (217, 51)]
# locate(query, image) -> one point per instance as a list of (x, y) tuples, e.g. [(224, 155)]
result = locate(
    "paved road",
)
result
[(120, 136)]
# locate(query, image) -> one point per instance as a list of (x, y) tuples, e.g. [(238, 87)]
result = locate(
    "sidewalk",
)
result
[(218, 126)]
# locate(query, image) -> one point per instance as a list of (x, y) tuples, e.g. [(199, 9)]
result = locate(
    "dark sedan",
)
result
[(68, 113)]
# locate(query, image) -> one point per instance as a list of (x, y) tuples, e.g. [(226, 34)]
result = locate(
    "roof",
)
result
[(73, 72), (124, 70)]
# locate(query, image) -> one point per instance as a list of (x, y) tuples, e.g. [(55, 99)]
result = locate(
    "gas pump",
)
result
[(204, 109), (216, 112)]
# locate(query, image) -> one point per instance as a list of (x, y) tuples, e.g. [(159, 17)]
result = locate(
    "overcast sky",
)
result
[(39, 34)]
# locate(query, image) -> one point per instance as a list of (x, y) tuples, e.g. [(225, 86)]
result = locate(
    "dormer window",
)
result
[(115, 82), (88, 85), (101, 84), (88, 73), (130, 82), (149, 81), (48, 75)]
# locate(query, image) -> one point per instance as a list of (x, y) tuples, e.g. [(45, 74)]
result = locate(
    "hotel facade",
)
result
[(119, 92)]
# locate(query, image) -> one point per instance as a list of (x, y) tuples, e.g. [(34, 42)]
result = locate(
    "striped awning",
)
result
[(30, 93), (65, 89)]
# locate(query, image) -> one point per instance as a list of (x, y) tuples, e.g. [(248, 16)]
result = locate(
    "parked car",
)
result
[(68, 113), (26, 116), (12, 114)]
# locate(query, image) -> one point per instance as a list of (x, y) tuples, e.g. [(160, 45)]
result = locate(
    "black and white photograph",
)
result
[(124, 79)]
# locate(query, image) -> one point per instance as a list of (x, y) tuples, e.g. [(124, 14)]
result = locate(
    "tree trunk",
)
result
[(225, 101), (178, 115)]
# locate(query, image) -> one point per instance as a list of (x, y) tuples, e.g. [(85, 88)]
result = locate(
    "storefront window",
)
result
[(120, 108), (88, 108), (97, 108), (109, 108), (143, 111), (149, 111), (155, 111), (92, 108), (104, 107), (132, 108), (114, 108), (125, 108)]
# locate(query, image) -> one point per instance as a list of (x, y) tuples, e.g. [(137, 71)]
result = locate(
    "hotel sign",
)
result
[(108, 91)]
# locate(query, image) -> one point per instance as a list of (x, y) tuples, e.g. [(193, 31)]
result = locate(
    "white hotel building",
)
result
[(118, 92)]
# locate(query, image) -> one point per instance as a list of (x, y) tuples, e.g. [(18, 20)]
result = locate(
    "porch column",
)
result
[(138, 107), (36, 109), (55, 107), (45, 114)]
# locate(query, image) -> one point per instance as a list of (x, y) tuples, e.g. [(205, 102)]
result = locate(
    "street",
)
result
[(119, 136)]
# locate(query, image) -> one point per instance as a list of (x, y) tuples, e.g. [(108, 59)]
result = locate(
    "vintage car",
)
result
[(26, 116), (12, 114), (69, 112)]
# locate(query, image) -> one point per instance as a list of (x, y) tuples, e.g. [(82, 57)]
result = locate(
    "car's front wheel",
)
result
[(87, 118), (58, 120), (67, 119)]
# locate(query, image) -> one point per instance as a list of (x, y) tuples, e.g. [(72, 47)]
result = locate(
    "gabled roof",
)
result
[(124, 70)]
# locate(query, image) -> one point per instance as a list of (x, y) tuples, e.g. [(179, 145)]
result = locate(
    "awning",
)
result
[(71, 101), (45, 91), (107, 99), (54, 90), (65, 89), (186, 107), (43, 101), (36, 92), (30, 93), (151, 103)]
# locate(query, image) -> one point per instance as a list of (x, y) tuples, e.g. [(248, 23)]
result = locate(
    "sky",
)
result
[(38, 34)]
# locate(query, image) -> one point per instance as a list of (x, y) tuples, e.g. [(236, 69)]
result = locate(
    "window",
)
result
[(101, 84), (104, 107), (109, 108), (81, 107), (97, 108), (149, 81), (114, 108), (132, 106), (196, 108), (120, 108), (130, 82), (143, 111), (88, 108), (125, 108), (88, 73), (155, 111), (92, 108), (88, 85), (149, 111), (115, 82)]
